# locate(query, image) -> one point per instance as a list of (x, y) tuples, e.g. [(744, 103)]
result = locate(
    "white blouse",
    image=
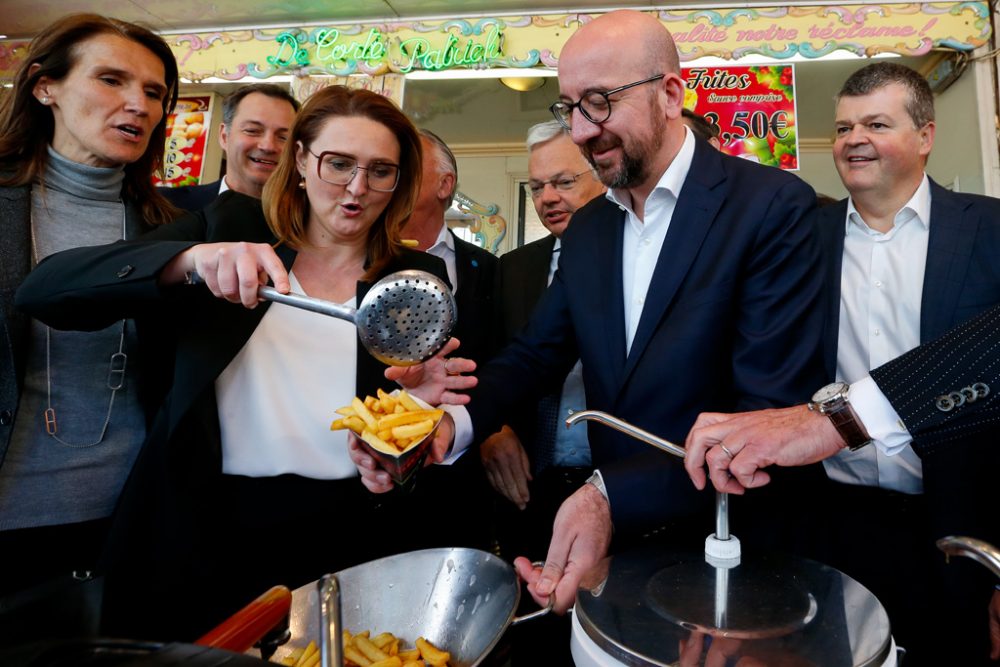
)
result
[(278, 396)]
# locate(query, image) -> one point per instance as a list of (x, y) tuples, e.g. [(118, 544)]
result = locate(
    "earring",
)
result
[(302, 184), (45, 100)]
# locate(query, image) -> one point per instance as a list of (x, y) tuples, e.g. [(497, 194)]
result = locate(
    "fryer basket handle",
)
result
[(540, 612)]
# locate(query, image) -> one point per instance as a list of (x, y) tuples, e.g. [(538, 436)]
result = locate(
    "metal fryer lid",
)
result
[(652, 603)]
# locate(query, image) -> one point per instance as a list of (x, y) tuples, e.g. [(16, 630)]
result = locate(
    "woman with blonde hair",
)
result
[(241, 484)]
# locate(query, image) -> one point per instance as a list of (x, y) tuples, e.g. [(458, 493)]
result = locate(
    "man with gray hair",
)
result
[(256, 121), (906, 262), (535, 461)]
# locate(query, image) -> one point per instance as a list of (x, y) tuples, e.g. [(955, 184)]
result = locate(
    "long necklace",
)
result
[(116, 367)]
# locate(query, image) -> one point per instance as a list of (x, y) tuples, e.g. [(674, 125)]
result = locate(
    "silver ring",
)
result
[(726, 450)]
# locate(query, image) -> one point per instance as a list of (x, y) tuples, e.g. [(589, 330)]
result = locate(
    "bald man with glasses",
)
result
[(692, 283)]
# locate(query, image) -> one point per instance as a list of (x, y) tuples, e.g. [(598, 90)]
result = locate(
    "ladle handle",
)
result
[(295, 300), (331, 646), (308, 303)]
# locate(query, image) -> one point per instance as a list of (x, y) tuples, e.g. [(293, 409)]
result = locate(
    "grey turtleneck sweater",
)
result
[(44, 482)]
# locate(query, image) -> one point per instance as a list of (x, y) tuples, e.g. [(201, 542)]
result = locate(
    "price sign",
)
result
[(187, 134), (753, 107)]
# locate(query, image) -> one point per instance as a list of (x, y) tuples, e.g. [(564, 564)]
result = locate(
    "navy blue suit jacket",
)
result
[(961, 281), (732, 321), (961, 278)]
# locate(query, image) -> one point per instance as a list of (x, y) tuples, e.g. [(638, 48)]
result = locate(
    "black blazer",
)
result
[(176, 501), (474, 271), (732, 321), (522, 276), (192, 197)]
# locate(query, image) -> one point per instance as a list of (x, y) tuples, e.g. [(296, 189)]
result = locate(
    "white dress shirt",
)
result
[(444, 248), (276, 397), (571, 446), (643, 239), (881, 285)]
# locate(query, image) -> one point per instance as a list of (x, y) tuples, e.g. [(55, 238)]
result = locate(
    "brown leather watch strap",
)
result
[(846, 421)]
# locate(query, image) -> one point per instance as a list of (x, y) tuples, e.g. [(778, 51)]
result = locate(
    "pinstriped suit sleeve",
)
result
[(965, 355)]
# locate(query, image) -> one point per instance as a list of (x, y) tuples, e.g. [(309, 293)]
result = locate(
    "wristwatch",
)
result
[(833, 402)]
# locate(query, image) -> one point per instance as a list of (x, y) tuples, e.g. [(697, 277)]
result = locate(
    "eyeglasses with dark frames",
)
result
[(338, 169), (595, 105), (563, 183)]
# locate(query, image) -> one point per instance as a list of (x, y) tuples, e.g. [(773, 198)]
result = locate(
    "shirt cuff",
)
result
[(463, 432), (879, 417), (597, 481)]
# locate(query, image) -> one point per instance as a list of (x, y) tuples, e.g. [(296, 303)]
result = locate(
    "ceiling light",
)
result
[(523, 84)]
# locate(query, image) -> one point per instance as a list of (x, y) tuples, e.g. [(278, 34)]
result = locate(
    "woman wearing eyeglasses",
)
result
[(241, 484)]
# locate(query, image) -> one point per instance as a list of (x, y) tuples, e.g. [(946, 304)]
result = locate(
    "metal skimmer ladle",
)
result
[(404, 319)]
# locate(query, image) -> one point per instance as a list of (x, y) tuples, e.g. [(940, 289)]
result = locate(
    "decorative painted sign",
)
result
[(187, 134), (535, 41), (753, 107)]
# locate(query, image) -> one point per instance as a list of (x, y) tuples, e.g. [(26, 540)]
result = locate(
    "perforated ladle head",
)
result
[(404, 319)]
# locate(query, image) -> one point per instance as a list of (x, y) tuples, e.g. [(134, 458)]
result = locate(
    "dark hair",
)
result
[(232, 101), (445, 159), (920, 99), (27, 126), (700, 126), (286, 205)]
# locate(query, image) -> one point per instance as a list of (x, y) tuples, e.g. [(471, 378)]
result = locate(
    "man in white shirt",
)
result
[(692, 283), (256, 121), (908, 260)]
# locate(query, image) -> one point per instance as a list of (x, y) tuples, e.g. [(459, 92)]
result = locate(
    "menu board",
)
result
[(753, 107), (187, 136)]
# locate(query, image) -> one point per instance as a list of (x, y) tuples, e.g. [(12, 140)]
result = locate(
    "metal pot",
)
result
[(660, 607), (462, 600)]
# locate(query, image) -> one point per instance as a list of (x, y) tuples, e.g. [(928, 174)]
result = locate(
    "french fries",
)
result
[(307, 657), (383, 650), (390, 424)]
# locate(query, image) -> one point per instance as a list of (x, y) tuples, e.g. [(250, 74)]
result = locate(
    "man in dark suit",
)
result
[(470, 268), (460, 487), (691, 284), (256, 120), (908, 260), (535, 464)]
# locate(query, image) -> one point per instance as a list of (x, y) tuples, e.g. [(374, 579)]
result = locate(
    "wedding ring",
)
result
[(728, 453), (447, 371)]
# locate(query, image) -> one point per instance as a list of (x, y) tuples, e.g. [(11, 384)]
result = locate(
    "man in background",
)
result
[(701, 127), (536, 463), (460, 489), (256, 120)]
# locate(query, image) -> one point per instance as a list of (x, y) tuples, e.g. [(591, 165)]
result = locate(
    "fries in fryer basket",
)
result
[(383, 650), (390, 424)]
